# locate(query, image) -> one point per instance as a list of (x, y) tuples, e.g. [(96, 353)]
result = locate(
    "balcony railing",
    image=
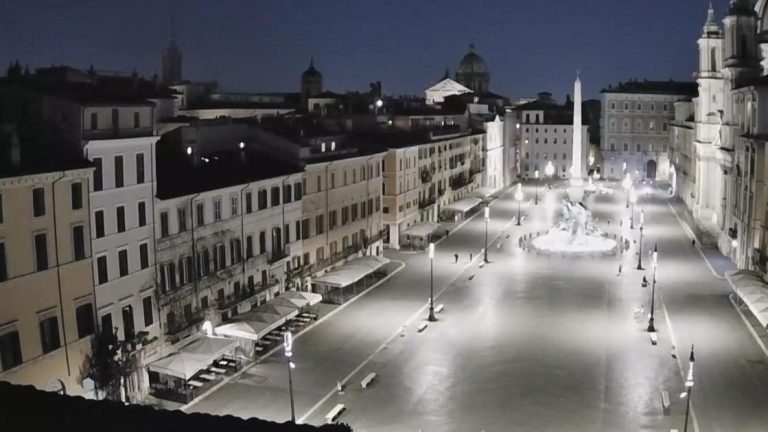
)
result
[(276, 256), (245, 295), (338, 256), (427, 202), (178, 330)]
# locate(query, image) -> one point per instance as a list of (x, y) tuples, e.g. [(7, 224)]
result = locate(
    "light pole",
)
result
[(549, 170), (536, 188), (431, 283), (519, 199), (651, 327), (288, 345), (689, 386), (640, 248), (627, 183), (633, 200), (487, 218)]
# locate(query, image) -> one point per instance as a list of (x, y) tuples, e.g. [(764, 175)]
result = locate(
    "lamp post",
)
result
[(519, 199), (487, 218), (651, 327), (536, 188), (640, 249), (689, 387), (288, 345), (549, 170), (627, 183), (431, 283), (633, 200)]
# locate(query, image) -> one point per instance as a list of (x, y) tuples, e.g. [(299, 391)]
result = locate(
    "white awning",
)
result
[(282, 300), (421, 229), (753, 291), (312, 298), (463, 205), (253, 330), (285, 312), (194, 356), (352, 271)]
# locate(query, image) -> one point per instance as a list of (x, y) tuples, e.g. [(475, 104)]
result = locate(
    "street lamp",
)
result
[(431, 283), (487, 218), (536, 188), (627, 183), (288, 345), (549, 170), (519, 199), (689, 387), (651, 327), (640, 249), (633, 200)]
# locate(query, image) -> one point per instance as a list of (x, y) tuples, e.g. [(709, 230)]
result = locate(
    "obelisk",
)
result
[(576, 186)]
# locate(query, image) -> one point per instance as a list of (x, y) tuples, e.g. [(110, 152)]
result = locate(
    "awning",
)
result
[(421, 229), (193, 357), (463, 205), (352, 271), (253, 330), (312, 298), (285, 312), (282, 300), (753, 291)]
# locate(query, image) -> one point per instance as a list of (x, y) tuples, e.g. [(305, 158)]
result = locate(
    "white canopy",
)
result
[(253, 330), (352, 271), (312, 298), (753, 291), (463, 205), (292, 302), (194, 356), (285, 312), (421, 229), (483, 192)]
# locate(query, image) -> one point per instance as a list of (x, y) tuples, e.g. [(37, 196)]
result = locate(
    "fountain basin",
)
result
[(560, 242)]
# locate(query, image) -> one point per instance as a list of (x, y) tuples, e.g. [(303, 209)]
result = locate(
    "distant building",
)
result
[(172, 59), (473, 72), (445, 87), (311, 82)]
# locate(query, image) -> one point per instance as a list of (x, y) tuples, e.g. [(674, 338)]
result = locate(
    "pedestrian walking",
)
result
[(470, 256), (619, 274), (446, 233), (456, 258), (339, 387), (402, 331), (693, 243), (673, 352)]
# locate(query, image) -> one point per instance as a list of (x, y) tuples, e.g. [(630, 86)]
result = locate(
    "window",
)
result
[(136, 120), (38, 202), (144, 255), (164, 224), (235, 250), (119, 171), (94, 121), (85, 322), (76, 199), (354, 212), (222, 255), (248, 202), (102, 275), (148, 316), (10, 349), (319, 184), (203, 262), (1, 208), (305, 228), (626, 147), (3, 263), (142, 213), (200, 213), (41, 251), (613, 106), (98, 183), (319, 224), (122, 262), (106, 324), (120, 215), (49, 334), (129, 330), (234, 205), (78, 243), (139, 167), (217, 209), (262, 197), (613, 146), (333, 180), (275, 196), (287, 193), (297, 191), (98, 218), (181, 214), (637, 147), (248, 246), (332, 219)]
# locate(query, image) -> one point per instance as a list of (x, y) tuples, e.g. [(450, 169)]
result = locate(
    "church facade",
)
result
[(718, 139)]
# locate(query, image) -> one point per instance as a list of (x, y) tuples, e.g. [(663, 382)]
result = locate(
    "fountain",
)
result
[(574, 232)]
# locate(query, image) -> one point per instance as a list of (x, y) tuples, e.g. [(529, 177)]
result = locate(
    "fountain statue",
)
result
[(576, 221), (574, 233)]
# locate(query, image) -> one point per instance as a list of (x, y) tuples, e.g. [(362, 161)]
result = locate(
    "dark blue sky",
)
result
[(263, 45)]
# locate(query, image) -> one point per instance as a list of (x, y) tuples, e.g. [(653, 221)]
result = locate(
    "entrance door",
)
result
[(650, 170)]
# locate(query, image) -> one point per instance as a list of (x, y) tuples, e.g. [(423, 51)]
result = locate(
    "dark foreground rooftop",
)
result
[(26, 408)]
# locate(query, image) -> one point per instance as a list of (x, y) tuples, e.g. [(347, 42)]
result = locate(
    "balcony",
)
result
[(276, 256), (245, 296), (337, 257), (426, 175), (427, 202), (177, 331), (104, 134), (169, 296)]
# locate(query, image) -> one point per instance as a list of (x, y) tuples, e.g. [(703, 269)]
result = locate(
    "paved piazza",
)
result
[(528, 342)]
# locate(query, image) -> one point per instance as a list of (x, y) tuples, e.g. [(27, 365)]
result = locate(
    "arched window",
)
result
[(626, 147), (712, 59)]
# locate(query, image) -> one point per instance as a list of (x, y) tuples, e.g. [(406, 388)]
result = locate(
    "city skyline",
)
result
[(270, 55)]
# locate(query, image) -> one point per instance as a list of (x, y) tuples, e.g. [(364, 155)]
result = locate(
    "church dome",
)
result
[(311, 72), (472, 63)]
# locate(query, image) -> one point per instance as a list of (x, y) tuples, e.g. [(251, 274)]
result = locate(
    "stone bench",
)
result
[(368, 380), (665, 402), (422, 326), (335, 413), (440, 308)]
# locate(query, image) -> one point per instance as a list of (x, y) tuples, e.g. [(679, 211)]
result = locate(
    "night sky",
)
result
[(263, 45)]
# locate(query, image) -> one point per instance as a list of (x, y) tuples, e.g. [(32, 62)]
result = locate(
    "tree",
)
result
[(107, 365)]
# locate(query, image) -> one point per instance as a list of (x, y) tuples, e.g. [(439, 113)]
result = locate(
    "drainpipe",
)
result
[(193, 220), (58, 275), (243, 258)]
